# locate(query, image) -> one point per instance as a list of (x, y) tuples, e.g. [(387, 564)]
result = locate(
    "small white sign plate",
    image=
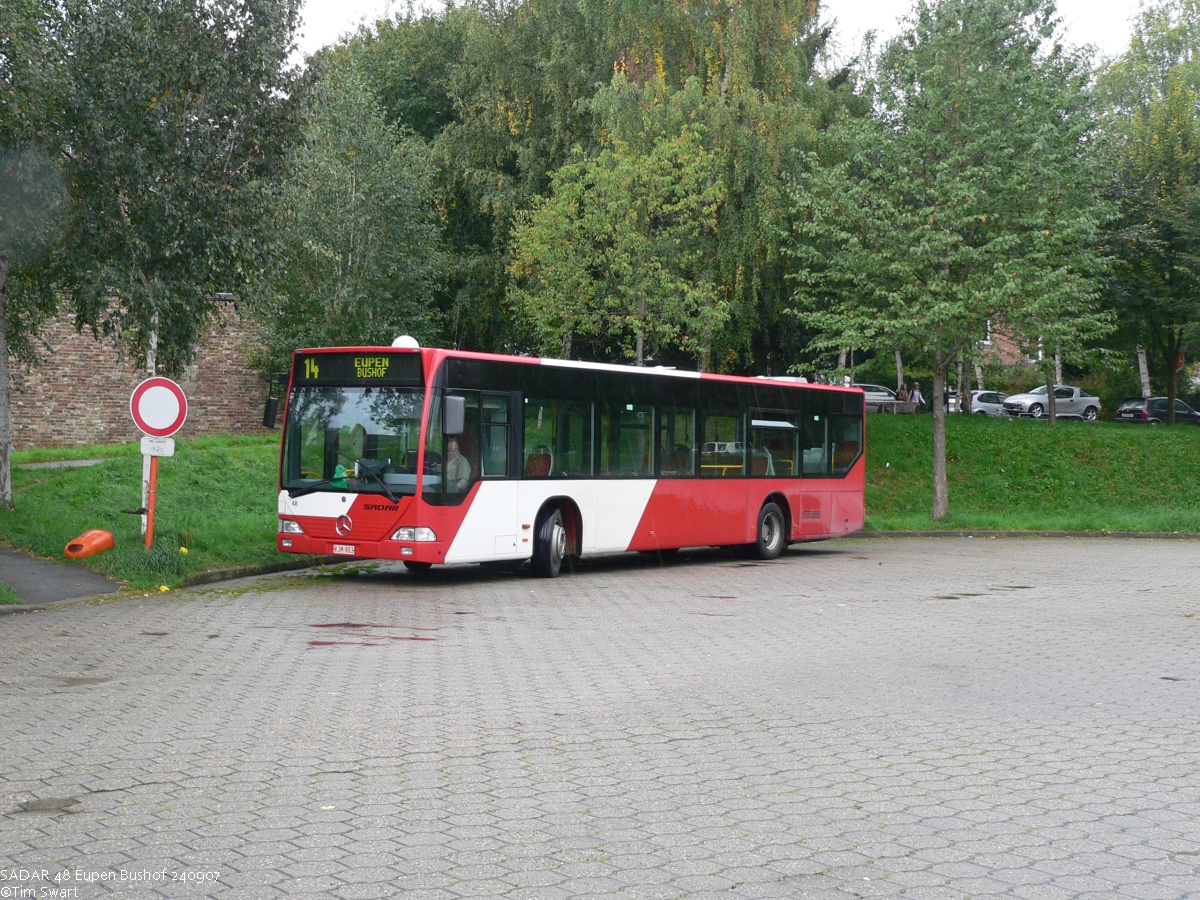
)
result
[(343, 549), (158, 446)]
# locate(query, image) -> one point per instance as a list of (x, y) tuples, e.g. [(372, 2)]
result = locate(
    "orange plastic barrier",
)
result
[(88, 544)]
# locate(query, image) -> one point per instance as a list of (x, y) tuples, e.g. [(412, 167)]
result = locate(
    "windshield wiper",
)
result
[(363, 466), (309, 488)]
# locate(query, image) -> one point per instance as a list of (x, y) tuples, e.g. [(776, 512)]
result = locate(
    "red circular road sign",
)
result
[(158, 407)]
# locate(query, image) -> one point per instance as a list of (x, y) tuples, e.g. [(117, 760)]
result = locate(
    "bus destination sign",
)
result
[(358, 368)]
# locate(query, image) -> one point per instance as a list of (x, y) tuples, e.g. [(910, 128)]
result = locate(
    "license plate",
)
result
[(343, 549)]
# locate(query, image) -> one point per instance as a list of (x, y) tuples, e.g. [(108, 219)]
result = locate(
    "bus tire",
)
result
[(550, 545), (771, 536)]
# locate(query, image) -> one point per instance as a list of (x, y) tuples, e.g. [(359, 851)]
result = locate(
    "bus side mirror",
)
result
[(454, 415), (270, 411)]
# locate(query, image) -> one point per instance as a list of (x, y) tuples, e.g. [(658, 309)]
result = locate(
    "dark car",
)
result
[(1153, 411)]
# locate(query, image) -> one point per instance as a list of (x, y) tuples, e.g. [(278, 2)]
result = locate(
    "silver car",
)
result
[(987, 403), (1068, 401), (877, 393)]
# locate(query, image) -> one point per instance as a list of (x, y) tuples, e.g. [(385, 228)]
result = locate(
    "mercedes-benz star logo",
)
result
[(344, 525)]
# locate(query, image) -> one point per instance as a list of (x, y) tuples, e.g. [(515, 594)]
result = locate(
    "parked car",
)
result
[(1068, 401), (877, 393), (987, 403), (1153, 411)]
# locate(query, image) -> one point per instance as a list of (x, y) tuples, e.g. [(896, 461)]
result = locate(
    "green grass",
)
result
[(1025, 475), (217, 496)]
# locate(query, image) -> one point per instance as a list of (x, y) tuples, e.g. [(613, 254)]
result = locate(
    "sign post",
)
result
[(159, 409)]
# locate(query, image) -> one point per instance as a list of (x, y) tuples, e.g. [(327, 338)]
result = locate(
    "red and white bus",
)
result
[(437, 456)]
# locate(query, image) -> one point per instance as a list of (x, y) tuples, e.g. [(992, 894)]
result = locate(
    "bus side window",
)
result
[(573, 438), (815, 441), (722, 450), (557, 438), (625, 438), (493, 457), (847, 440), (676, 436)]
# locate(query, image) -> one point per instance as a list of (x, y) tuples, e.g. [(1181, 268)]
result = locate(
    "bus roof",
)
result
[(432, 357)]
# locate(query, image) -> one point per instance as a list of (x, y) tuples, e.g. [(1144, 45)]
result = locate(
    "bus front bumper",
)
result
[(415, 551)]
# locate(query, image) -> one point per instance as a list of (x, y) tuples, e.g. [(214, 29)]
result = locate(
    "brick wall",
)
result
[(79, 392)]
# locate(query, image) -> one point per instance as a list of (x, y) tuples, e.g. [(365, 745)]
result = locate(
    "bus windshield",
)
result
[(360, 439)]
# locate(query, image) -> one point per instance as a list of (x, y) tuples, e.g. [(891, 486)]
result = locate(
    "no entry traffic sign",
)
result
[(158, 407)]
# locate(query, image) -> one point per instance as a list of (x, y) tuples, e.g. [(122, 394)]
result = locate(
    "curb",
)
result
[(215, 575)]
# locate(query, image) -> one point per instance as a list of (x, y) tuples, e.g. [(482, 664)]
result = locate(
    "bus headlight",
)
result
[(414, 534), (287, 526)]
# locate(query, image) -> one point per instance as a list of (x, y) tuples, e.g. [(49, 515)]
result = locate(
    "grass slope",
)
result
[(216, 496), (1025, 475)]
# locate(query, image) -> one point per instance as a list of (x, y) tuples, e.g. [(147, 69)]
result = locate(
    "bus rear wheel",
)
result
[(770, 532), (550, 546)]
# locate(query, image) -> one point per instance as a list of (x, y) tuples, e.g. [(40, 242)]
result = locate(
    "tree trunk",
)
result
[(152, 349), (958, 387), (1174, 358), (941, 495), (1143, 370), (899, 370), (1058, 379), (6, 420), (978, 376), (1050, 406)]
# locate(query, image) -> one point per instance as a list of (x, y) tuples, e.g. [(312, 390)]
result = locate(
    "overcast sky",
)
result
[(1104, 23)]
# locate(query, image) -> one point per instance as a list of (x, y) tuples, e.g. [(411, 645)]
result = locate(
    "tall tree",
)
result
[(358, 258), (512, 89), (962, 200), (31, 190), (179, 113), (619, 252), (1152, 142)]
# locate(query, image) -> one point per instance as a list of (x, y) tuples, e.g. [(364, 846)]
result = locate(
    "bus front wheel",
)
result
[(551, 546), (770, 532)]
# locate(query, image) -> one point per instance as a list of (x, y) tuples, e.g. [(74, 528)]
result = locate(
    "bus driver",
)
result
[(457, 469)]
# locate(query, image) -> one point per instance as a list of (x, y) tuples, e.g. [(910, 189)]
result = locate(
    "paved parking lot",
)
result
[(863, 718)]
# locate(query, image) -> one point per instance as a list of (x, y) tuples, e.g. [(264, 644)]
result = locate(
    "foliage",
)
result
[(962, 200), (31, 190), (508, 93), (357, 258), (618, 252), (1152, 147), (178, 113), (757, 66)]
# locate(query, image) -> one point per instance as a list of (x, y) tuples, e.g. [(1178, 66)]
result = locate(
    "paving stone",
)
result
[(925, 719)]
